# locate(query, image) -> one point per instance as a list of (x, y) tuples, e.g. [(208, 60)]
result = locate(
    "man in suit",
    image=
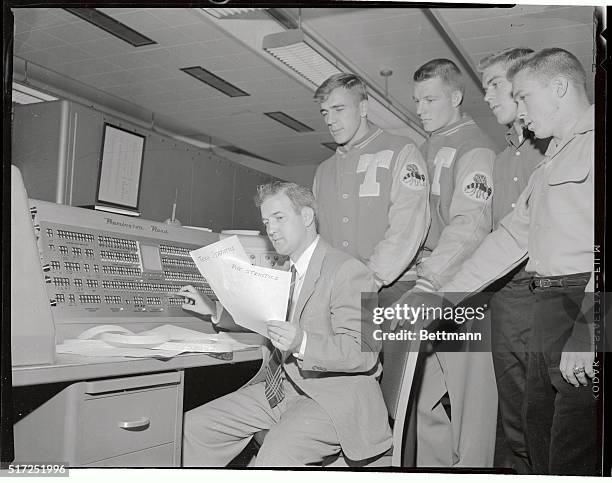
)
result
[(328, 368)]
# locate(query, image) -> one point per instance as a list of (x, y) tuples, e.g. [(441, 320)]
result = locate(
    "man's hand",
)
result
[(196, 302), (284, 335), (577, 362)]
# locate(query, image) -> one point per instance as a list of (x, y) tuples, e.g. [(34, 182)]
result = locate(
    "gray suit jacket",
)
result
[(339, 369)]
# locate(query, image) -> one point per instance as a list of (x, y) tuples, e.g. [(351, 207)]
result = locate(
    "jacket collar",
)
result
[(313, 272), (572, 170), (465, 120), (584, 124), (373, 132)]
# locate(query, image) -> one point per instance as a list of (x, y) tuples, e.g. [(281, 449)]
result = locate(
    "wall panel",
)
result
[(212, 191)]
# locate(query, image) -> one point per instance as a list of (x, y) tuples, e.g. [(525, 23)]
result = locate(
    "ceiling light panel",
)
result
[(214, 81), (292, 49), (228, 12), (27, 95), (112, 26)]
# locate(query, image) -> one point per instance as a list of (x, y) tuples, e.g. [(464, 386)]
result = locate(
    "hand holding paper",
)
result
[(284, 336), (252, 295)]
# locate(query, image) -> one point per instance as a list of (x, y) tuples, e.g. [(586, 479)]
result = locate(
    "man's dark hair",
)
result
[(506, 57), (444, 69), (548, 63), (351, 82), (300, 196)]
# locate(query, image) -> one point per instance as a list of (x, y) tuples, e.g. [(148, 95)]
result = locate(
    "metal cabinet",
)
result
[(127, 421)]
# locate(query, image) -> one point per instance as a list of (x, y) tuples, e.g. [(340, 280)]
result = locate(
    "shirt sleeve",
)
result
[(408, 215), (500, 252), (470, 218)]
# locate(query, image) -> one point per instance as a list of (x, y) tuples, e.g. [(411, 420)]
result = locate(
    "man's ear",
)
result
[(308, 215), (363, 107), (456, 98), (560, 85)]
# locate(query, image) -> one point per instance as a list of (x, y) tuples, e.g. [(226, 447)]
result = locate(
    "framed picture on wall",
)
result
[(120, 168)]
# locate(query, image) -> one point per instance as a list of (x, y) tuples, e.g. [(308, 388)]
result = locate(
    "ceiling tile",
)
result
[(175, 17), (74, 33), (88, 67), (141, 20), (36, 40)]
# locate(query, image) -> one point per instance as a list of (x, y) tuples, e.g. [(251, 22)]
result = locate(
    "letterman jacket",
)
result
[(460, 164), (373, 202)]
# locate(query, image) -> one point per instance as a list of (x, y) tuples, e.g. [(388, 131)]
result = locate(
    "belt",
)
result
[(574, 280)]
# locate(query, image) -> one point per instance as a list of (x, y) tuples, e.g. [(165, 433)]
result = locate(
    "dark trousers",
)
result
[(512, 309), (561, 420)]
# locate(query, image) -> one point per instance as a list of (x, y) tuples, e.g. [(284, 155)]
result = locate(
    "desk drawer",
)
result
[(111, 425)]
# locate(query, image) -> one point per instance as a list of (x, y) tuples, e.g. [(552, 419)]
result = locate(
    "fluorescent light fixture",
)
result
[(292, 49), (26, 95), (298, 53), (288, 121), (228, 12), (214, 81), (112, 26)]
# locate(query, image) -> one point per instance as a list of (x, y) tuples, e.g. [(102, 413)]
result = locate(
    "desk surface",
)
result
[(70, 367)]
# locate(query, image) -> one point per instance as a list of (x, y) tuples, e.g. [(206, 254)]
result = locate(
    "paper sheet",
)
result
[(252, 295), (99, 348), (180, 340)]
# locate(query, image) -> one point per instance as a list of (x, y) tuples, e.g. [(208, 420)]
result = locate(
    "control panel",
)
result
[(102, 268)]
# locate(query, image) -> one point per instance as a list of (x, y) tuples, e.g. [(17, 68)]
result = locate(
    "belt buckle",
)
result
[(539, 283)]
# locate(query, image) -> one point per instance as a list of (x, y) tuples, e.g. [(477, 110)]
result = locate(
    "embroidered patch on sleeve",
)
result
[(477, 186), (413, 178)]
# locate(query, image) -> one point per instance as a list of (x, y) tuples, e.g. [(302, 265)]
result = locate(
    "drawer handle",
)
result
[(136, 425)]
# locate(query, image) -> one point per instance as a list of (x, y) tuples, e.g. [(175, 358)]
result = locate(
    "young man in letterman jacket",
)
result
[(373, 192), (457, 401)]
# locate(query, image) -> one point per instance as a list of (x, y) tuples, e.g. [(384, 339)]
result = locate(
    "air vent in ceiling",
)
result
[(112, 26), (288, 121), (214, 81)]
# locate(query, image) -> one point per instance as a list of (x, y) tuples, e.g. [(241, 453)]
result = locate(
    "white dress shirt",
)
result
[(301, 266)]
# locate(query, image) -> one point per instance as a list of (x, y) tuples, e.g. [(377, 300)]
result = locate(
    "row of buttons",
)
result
[(144, 287), (72, 266), (173, 275), (120, 270), (90, 299), (173, 250), (112, 242), (118, 256), (71, 235), (178, 263), (61, 281)]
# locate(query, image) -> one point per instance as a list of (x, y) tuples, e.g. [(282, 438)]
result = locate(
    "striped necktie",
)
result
[(273, 386)]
